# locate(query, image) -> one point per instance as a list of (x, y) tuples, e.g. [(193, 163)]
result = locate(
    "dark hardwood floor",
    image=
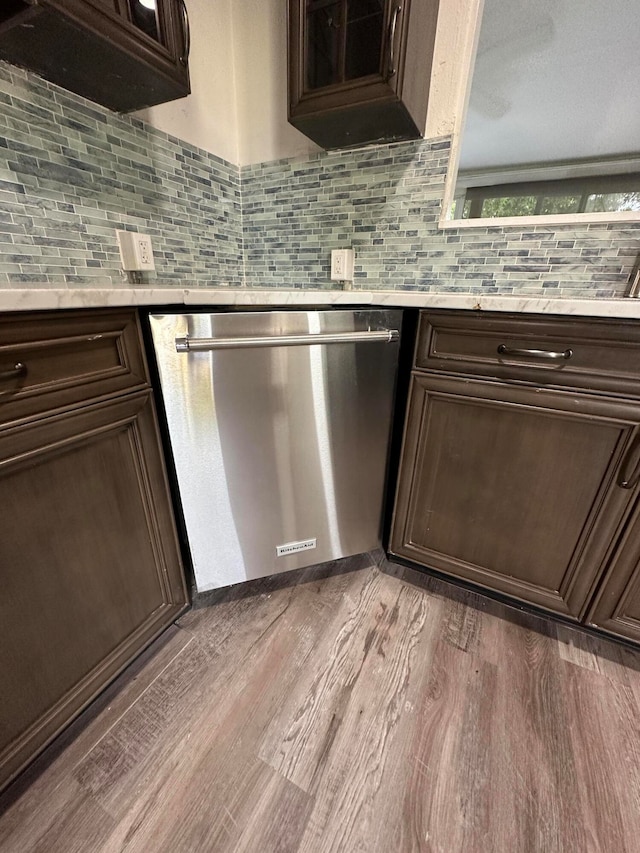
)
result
[(374, 710)]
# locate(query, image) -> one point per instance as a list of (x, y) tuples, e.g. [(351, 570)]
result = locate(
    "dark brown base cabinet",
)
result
[(89, 564), (616, 607), (524, 489)]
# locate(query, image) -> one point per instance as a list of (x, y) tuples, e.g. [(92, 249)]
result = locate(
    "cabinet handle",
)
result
[(184, 59), (18, 369), (391, 70), (535, 353), (187, 344), (629, 481)]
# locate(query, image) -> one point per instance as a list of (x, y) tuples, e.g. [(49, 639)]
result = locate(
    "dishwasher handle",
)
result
[(187, 344)]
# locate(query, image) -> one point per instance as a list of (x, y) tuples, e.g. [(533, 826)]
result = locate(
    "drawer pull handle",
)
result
[(535, 353), (18, 369)]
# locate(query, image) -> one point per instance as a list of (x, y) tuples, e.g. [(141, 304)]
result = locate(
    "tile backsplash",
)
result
[(385, 202), (71, 173)]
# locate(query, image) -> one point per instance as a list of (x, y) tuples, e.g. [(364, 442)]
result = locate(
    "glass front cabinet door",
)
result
[(123, 54), (359, 70)]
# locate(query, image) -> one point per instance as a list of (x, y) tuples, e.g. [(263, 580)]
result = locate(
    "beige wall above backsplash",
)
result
[(238, 66)]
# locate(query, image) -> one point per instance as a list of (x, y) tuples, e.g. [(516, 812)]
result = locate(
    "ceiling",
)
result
[(554, 80)]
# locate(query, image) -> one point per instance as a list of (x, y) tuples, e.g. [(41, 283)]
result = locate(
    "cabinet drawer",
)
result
[(591, 354), (52, 360)]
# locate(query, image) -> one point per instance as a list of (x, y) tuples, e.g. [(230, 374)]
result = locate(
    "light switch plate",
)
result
[(136, 251)]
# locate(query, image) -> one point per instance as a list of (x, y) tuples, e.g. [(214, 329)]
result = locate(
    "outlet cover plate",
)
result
[(342, 261), (136, 251)]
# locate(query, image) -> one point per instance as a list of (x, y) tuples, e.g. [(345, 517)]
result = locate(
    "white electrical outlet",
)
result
[(145, 252), (342, 265), (136, 251)]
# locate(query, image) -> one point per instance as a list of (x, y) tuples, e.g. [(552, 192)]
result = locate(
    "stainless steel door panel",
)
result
[(277, 445)]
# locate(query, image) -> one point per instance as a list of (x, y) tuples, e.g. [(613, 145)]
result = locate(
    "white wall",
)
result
[(453, 51), (238, 105), (261, 84), (207, 118)]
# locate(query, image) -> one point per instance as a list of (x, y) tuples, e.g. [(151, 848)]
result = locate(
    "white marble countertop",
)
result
[(45, 298)]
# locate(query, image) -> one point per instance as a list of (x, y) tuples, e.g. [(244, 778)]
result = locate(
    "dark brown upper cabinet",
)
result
[(359, 70), (123, 54)]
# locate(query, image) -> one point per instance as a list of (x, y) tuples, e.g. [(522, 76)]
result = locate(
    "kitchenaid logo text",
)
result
[(293, 547)]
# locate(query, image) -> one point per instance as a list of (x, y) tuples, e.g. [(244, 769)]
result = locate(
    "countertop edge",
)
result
[(39, 299)]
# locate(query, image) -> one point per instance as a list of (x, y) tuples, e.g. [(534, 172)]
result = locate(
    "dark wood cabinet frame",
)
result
[(594, 521), (376, 108), (594, 397), (90, 565), (97, 52)]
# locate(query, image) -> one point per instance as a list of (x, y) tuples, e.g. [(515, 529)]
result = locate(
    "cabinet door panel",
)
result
[(88, 557), (323, 44), (365, 38), (518, 497), (125, 16), (616, 607), (113, 6), (343, 41)]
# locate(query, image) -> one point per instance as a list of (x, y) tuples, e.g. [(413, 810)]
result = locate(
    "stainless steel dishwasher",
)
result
[(279, 424)]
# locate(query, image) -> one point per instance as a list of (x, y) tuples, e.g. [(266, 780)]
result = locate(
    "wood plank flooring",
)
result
[(373, 710)]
